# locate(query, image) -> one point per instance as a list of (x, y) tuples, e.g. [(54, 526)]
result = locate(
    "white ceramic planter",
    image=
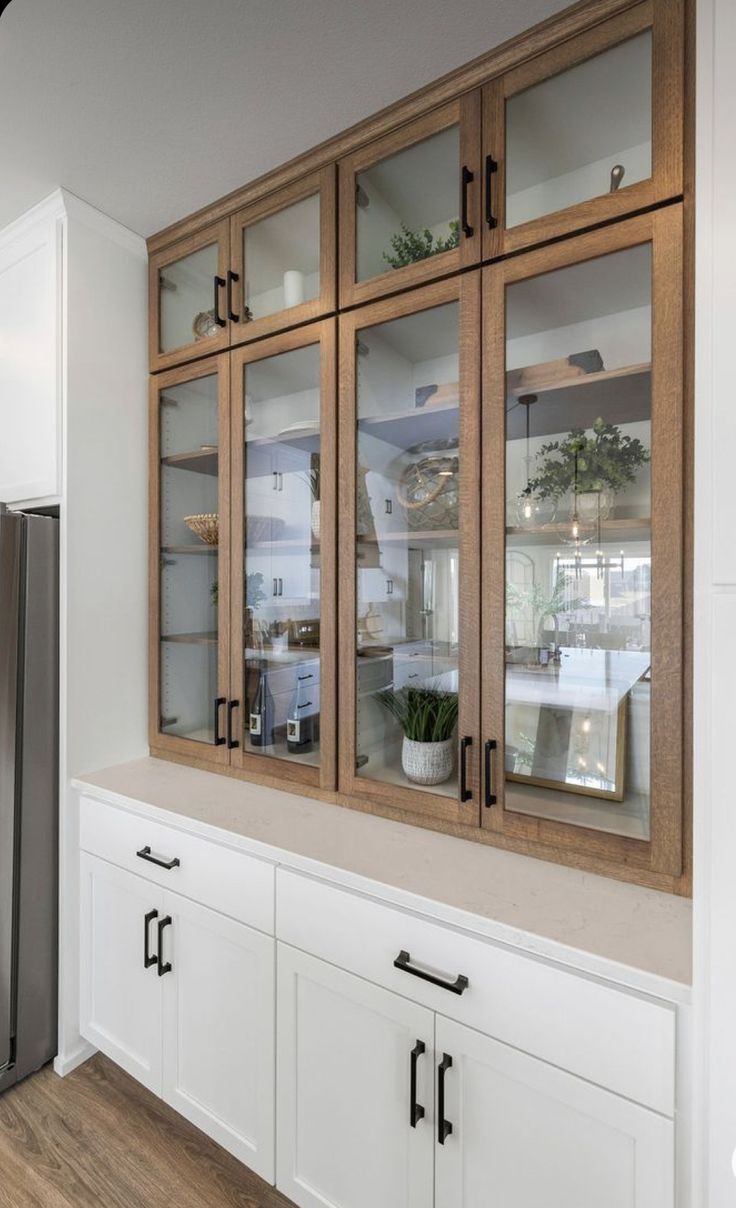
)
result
[(428, 762), (316, 518)]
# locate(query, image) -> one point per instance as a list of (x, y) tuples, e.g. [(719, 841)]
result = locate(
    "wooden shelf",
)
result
[(192, 639), (407, 428), (620, 395), (190, 549), (199, 461), (634, 528), (413, 537)]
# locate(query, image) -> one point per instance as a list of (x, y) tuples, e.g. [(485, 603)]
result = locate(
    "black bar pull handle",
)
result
[(466, 179), (416, 1111), (491, 167), (219, 284), (231, 277), (444, 1127), (491, 798), (163, 967), (465, 793), (145, 854), (403, 962), (219, 702), (148, 959), (231, 742)]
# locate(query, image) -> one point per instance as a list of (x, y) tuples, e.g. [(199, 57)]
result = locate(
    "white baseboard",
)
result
[(64, 1063)]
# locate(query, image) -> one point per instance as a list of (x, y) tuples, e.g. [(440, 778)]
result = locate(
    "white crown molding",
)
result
[(82, 211)]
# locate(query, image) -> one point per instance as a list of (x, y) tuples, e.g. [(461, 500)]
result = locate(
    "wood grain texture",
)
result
[(323, 183), (158, 385), (218, 233), (96, 1139), (540, 38)]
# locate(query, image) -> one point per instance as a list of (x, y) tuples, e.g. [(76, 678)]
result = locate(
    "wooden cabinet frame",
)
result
[(166, 744), (666, 20), (322, 183), (258, 766), (463, 112), (663, 853), (218, 233), (464, 290)]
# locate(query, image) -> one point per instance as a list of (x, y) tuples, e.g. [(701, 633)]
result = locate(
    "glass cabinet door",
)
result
[(283, 257), (409, 552), (410, 204), (585, 700), (589, 131), (189, 571), (284, 432), (189, 285)]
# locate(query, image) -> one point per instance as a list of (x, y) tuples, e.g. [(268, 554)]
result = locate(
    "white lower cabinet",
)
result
[(527, 1135), (182, 997), (345, 1138), (499, 1127)]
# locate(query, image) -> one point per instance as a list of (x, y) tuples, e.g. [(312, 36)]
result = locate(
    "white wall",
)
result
[(715, 608)]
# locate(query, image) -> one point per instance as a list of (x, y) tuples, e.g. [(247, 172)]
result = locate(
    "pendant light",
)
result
[(531, 511)]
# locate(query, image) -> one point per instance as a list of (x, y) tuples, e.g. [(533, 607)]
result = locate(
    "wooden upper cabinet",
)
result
[(583, 638), (283, 602), (589, 131), (189, 560), (283, 252), (410, 551), (188, 287), (410, 204)]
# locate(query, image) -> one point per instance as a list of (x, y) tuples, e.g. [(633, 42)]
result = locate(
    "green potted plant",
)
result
[(409, 246), (592, 468), (428, 719)]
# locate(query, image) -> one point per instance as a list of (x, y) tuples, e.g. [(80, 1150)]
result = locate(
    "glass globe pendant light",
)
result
[(531, 511)]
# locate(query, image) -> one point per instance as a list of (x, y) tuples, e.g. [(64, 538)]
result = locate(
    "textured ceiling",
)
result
[(149, 109)]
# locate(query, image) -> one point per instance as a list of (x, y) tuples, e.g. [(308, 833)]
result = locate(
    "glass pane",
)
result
[(580, 134), (408, 624), (281, 258), (578, 544), (186, 312), (282, 556), (406, 206), (189, 557)]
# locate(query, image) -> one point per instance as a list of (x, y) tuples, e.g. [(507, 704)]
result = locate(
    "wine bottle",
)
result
[(300, 718), (262, 711)]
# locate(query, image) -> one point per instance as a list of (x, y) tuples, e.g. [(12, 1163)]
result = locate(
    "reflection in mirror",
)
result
[(579, 134), (281, 622), (281, 254), (406, 206), (407, 556), (578, 545)]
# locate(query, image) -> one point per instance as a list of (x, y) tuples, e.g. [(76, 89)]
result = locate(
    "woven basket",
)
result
[(205, 525), (427, 762)]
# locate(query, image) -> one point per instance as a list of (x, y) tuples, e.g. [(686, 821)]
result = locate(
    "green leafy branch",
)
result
[(410, 246), (605, 459), (423, 714)]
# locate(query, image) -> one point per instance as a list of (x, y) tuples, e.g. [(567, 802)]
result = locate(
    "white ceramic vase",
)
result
[(315, 518), (428, 762)]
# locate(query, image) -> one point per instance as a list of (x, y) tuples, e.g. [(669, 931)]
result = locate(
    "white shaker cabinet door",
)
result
[(30, 400), (344, 1133), (218, 1036), (527, 1135), (121, 995)]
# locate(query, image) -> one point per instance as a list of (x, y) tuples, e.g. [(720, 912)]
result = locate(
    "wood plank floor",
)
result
[(96, 1139)]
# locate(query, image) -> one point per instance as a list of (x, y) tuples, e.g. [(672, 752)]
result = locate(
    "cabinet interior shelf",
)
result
[(413, 537), (192, 639), (635, 528), (405, 428), (576, 402), (190, 549), (199, 461)]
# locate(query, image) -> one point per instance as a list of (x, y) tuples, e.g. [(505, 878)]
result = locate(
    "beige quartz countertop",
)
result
[(636, 936)]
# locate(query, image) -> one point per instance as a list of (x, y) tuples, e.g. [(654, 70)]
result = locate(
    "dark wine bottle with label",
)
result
[(262, 711), (300, 718)]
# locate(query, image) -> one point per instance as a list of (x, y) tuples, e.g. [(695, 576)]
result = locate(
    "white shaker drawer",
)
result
[(222, 878), (617, 1039)]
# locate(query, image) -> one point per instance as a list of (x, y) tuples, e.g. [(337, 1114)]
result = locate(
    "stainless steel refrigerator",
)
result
[(29, 763)]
